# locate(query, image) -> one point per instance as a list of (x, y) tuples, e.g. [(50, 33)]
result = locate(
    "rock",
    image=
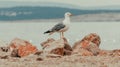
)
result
[(67, 46), (104, 53), (59, 47), (21, 48), (53, 56), (54, 47), (67, 52), (14, 53), (45, 43), (83, 52), (39, 59), (93, 37), (39, 52), (4, 57), (15, 43), (93, 48), (90, 42), (59, 51), (27, 50), (115, 52)]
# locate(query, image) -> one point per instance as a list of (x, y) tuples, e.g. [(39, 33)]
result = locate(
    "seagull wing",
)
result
[(58, 27)]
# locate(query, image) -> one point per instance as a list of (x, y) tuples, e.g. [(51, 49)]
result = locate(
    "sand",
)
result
[(75, 60)]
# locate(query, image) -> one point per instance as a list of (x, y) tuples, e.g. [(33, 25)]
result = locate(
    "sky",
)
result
[(84, 3)]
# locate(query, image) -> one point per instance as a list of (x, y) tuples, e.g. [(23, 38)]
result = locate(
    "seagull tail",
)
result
[(47, 32)]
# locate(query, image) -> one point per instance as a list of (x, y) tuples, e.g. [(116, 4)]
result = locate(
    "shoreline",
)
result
[(98, 17)]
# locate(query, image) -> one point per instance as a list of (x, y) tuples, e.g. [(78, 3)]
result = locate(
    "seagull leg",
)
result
[(62, 35)]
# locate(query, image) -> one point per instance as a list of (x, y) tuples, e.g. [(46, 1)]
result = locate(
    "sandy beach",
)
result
[(64, 61), (57, 56), (59, 33)]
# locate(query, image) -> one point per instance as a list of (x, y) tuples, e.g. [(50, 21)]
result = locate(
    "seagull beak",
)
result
[(71, 14)]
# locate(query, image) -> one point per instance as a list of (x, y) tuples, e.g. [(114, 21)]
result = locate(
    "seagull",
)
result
[(62, 26)]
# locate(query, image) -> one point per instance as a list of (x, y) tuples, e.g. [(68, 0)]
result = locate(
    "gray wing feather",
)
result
[(58, 27)]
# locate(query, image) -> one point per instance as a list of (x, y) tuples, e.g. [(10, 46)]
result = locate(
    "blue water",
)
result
[(33, 32)]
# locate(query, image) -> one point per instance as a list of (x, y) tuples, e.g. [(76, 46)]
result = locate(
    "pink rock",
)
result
[(60, 47), (22, 47), (54, 47), (26, 50), (90, 42), (15, 43)]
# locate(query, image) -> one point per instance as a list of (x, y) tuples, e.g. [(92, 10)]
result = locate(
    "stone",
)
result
[(83, 52), (55, 47), (115, 52), (104, 53), (67, 52), (16, 42), (39, 59), (38, 52), (90, 42), (26, 50), (60, 47), (67, 48), (67, 45), (21, 48), (93, 48), (14, 53), (92, 37), (45, 43), (53, 56), (4, 57)]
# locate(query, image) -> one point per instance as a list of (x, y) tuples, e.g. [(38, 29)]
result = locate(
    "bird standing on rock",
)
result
[(61, 27)]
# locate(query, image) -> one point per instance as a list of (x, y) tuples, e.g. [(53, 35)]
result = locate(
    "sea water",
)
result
[(33, 31)]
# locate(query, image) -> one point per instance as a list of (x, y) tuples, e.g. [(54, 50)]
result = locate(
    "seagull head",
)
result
[(67, 18), (68, 14)]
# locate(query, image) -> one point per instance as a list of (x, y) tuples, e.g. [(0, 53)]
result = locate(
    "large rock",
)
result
[(90, 42), (59, 47), (53, 47), (21, 48), (15, 43)]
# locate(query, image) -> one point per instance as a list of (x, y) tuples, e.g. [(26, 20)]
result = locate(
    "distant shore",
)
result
[(101, 17)]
